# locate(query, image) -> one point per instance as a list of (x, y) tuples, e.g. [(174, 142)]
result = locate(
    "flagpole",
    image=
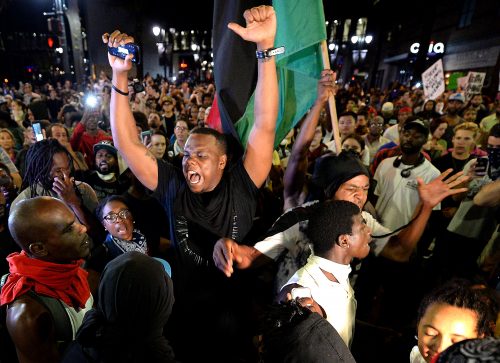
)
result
[(331, 100)]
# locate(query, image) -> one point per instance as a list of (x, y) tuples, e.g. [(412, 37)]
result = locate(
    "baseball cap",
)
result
[(457, 97), (387, 107), (405, 109), (107, 145), (418, 124)]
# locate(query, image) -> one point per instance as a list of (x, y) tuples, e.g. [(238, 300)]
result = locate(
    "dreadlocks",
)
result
[(39, 160)]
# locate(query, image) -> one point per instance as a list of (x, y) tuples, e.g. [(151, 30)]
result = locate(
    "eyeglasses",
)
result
[(181, 128), (113, 217)]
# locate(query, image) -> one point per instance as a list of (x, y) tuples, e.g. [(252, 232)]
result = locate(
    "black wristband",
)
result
[(119, 91)]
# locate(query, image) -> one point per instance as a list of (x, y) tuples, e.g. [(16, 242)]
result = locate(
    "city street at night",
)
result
[(243, 181)]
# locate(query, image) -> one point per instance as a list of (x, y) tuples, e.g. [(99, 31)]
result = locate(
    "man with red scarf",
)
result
[(53, 243)]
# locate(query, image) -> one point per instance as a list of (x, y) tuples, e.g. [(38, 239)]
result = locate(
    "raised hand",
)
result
[(434, 192), (326, 85), (64, 187), (260, 26), (114, 40)]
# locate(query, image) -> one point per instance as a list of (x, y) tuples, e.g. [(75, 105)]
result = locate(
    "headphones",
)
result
[(405, 173)]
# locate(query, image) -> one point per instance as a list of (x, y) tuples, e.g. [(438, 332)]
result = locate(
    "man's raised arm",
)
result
[(261, 29), (140, 160), (295, 173)]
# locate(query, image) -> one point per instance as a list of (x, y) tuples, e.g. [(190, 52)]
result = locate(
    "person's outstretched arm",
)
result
[(489, 195), (140, 160), (294, 178), (261, 29), (228, 253), (401, 246)]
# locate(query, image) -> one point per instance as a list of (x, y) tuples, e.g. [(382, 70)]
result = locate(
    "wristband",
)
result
[(268, 53), (119, 91)]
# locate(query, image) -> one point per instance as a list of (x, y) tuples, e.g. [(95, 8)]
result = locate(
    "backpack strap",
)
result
[(62, 324)]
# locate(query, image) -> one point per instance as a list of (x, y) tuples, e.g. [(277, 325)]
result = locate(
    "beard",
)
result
[(410, 149)]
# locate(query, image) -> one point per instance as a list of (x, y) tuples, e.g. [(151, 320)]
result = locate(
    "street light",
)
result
[(162, 43), (359, 51)]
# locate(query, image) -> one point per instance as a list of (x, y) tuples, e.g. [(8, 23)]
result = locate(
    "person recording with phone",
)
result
[(473, 224)]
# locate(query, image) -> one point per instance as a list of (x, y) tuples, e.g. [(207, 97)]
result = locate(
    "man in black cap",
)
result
[(399, 177), (104, 178)]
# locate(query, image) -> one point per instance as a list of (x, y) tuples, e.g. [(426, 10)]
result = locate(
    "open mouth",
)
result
[(193, 177)]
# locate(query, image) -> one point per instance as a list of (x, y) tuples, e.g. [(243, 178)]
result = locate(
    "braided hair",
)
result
[(39, 159)]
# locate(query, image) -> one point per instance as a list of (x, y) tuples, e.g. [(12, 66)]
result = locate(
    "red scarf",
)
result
[(66, 282)]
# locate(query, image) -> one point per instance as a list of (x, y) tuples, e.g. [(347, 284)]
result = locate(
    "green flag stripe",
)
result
[(301, 28)]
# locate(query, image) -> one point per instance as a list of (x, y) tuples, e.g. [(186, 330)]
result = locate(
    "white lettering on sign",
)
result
[(433, 48)]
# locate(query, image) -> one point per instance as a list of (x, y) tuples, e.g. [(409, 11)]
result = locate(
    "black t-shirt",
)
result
[(219, 307), (169, 124), (54, 106), (197, 220), (446, 162), (103, 188)]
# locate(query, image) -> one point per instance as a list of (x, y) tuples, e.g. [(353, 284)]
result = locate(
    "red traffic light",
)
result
[(50, 42)]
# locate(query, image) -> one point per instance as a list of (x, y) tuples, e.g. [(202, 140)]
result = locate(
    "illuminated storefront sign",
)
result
[(434, 48)]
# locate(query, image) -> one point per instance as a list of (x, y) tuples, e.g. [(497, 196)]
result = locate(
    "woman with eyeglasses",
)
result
[(122, 237)]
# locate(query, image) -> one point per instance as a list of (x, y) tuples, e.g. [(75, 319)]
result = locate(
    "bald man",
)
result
[(53, 243)]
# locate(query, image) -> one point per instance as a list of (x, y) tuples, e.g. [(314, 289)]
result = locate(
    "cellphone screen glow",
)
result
[(37, 129)]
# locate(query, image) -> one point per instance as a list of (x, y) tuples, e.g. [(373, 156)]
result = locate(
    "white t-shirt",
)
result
[(336, 298), (76, 315), (373, 147), (392, 133), (397, 196), (415, 356)]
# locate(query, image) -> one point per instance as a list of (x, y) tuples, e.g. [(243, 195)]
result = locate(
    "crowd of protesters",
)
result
[(301, 253)]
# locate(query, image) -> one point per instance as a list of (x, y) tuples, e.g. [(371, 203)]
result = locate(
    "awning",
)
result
[(481, 58)]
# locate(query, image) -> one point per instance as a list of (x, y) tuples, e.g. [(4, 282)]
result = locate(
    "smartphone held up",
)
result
[(123, 50), (37, 130)]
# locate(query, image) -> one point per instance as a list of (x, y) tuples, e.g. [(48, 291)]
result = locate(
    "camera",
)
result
[(138, 86)]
